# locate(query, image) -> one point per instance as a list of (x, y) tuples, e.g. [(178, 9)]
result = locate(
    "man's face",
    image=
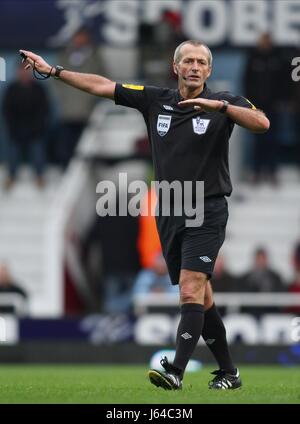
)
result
[(193, 68), (261, 260)]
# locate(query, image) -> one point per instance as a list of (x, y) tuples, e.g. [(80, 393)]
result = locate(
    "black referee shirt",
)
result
[(187, 145)]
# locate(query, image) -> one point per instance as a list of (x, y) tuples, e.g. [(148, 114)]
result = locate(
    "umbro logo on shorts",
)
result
[(205, 259), (186, 336)]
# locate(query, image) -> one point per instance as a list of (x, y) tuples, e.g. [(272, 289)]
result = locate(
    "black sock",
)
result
[(214, 334), (188, 334)]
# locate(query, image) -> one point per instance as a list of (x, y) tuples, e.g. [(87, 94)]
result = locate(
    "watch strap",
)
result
[(224, 107), (58, 70)]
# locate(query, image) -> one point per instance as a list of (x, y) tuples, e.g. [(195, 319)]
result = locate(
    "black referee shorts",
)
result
[(194, 248)]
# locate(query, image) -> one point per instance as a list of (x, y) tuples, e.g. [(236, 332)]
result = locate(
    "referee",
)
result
[(189, 130)]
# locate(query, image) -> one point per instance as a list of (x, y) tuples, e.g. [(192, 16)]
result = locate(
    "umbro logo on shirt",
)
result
[(167, 107), (205, 259), (186, 336)]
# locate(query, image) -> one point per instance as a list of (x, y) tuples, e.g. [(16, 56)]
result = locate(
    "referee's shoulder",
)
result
[(222, 95), (163, 90), (159, 92)]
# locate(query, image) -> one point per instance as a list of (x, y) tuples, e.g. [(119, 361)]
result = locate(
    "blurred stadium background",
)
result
[(68, 277)]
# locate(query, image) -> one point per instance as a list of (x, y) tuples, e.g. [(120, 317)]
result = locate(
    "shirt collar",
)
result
[(204, 93)]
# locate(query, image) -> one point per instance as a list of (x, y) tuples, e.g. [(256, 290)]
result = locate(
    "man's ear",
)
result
[(175, 68), (209, 74)]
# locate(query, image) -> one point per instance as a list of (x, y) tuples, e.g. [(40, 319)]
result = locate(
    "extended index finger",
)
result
[(189, 102)]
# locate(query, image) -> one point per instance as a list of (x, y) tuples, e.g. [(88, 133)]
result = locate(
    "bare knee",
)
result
[(192, 287)]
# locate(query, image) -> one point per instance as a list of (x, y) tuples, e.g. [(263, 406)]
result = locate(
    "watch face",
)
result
[(58, 70)]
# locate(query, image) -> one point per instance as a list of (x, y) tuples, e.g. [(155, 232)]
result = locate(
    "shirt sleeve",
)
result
[(137, 97), (238, 101)]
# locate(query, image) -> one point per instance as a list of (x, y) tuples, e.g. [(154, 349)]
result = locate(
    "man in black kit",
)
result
[(189, 130)]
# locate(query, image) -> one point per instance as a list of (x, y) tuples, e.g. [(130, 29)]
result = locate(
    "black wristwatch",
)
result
[(58, 70), (224, 107)]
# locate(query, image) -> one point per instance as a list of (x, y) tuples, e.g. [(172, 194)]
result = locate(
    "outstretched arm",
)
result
[(251, 119), (93, 84)]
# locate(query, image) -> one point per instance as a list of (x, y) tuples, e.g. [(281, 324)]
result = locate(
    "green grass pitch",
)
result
[(116, 384)]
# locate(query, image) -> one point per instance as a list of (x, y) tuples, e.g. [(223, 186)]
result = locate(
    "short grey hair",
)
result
[(177, 54)]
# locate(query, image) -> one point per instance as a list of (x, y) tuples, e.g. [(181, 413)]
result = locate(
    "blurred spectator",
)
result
[(148, 242), (265, 86), (26, 114), (157, 43), (296, 257), (294, 148), (261, 278), (75, 105), (222, 280), (9, 286), (294, 287), (115, 237), (154, 277), (142, 149)]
